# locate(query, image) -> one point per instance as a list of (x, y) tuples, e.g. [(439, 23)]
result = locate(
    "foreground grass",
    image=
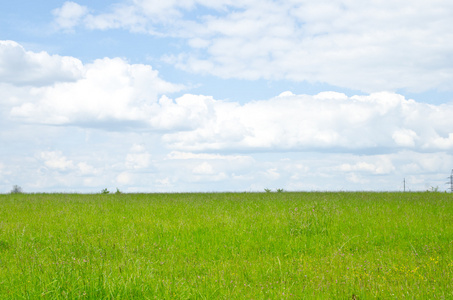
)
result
[(227, 246)]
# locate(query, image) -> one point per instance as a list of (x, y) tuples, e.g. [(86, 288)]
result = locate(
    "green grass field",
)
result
[(227, 246)]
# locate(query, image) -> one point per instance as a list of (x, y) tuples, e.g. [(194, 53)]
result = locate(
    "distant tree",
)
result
[(16, 190)]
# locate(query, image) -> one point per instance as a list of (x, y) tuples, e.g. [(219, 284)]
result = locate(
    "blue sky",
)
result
[(225, 95)]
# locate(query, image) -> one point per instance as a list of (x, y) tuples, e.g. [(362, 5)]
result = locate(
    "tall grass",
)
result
[(226, 246)]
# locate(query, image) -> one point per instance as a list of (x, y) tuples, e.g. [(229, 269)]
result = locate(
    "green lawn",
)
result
[(227, 246)]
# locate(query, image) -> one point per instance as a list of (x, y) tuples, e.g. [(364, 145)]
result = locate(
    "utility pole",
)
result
[(404, 184), (451, 181)]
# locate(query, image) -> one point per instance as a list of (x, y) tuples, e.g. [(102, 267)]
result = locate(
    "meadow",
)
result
[(285, 245)]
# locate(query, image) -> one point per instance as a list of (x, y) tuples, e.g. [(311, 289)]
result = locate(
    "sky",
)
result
[(226, 95)]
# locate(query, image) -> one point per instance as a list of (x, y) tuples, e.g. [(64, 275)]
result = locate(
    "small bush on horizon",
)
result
[(280, 190), (16, 190), (118, 191), (267, 190), (105, 191)]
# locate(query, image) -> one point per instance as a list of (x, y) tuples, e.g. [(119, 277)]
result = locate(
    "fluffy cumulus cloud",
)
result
[(383, 45), (110, 90), (114, 94), (55, 160), (21, 67), (327, 121)]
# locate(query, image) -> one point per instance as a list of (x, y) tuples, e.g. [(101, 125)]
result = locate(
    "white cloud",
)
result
[(21, 67), (187, 112), (165, 182), (206, 167), (56, 160), (86, 169), (286, 94), (124, 178), (93, 169), (206, 156), (272, 174), (381, 166), (329, 121), (69, 15), (383, 45), (148, 15), (405, 137), (111, 90), (116, 95), (432, 162), (121, 16), (138, 158), (358, 179), (328, 96), (203, 169), (442, 143), (137, 148)]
